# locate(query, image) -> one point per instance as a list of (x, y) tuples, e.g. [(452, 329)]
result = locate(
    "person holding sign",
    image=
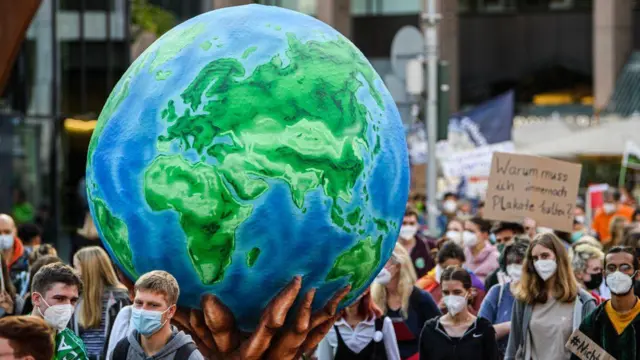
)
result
[(458, 334), (549, 304), (614, 326)]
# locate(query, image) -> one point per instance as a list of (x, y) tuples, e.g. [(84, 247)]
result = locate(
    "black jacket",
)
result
[(478, 342)]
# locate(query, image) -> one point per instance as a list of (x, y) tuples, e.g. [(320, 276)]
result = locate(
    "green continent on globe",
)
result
[(299, 123), (209, 215), (252, 256), (116, 234), (357, 263)]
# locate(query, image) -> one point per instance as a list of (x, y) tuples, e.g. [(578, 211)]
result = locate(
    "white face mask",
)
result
[(619, 283), (57, 316), (470, 239), (6, 242), (609, 208), (514, 271), (453, 235), (407, 232), (545, 268), (450, 206), (580, 219), (383, 278), (455, 303)]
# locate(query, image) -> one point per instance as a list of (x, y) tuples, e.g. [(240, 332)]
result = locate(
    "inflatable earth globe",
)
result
[(246, 146)]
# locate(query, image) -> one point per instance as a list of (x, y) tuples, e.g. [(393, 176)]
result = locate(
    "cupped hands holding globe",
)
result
[(247, 147), (215, 332)]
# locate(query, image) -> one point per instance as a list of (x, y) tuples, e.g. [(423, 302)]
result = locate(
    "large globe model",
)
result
[(246, 146)]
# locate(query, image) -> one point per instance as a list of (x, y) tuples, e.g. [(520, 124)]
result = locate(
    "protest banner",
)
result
[(475, 162), (585, 348), (543, 189)]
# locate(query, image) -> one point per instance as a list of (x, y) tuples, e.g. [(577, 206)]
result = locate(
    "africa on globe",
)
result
[(247, 146)]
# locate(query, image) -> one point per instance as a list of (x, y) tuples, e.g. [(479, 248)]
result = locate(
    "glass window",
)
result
[(560, 4), (400, 7), (304, 6), (496, 6)]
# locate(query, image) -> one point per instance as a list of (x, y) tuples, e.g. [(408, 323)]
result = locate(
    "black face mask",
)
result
[(595, 282)]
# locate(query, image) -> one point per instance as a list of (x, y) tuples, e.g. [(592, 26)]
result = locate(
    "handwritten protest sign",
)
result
[(585, 348), (523, 186)]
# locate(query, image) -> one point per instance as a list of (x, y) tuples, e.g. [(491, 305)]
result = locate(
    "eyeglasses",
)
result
[(625, 268)]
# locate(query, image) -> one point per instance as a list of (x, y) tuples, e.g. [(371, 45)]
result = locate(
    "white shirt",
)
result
[(356, 340), (120, 329)]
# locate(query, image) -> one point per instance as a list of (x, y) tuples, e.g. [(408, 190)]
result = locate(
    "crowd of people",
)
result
[(481, 290)]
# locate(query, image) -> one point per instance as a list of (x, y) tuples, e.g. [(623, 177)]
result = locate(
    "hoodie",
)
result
[(484, 263), (168, 352)]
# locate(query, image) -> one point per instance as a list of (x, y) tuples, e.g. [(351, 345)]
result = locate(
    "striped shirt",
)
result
[(95, 338)]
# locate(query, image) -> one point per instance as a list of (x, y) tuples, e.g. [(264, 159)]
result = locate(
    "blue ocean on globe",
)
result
[(247, 146)]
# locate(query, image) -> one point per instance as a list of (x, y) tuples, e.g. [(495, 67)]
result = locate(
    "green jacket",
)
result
[(599, 328)]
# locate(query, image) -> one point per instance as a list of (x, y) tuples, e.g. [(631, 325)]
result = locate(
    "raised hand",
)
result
[(215, 332)]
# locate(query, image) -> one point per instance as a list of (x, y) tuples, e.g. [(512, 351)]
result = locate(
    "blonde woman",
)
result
[(587, 262), (548, 291), (616, 229), (102, 299), (408, 307)]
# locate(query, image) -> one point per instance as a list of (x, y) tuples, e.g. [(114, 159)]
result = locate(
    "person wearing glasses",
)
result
[(615, 324)]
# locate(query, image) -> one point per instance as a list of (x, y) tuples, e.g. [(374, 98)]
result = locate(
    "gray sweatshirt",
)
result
[(519, 347), (167, 353)]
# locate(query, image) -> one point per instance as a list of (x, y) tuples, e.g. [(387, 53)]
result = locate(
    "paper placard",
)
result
[(524, 186), (585, 348)]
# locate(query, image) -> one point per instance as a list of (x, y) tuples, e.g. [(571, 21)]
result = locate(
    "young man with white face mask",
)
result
[(156, 296), (55, 292), (615, 324), (415, 244)]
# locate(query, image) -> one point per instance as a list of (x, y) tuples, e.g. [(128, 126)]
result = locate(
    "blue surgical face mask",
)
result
[(147, 322)]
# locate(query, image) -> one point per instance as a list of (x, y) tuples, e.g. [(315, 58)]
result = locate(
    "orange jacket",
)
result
[(18, 251), (601, 221)]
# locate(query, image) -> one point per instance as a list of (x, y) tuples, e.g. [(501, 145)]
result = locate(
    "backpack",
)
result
[(122, 349)]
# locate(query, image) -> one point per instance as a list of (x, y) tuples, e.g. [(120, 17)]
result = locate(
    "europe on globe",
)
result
[(246, 146)]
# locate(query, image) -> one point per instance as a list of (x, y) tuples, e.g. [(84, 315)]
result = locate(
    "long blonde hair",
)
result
[(532, 289), (616, 229), (406, 283), (97, 274)]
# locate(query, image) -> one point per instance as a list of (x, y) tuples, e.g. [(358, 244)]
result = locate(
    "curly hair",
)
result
[(581, 255)]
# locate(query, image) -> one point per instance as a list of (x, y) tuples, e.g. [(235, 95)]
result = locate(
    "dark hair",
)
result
[(617, 195), (484, 225), (26, 232), (632, 238), (411, 211), (635, 214), (517, 228), (45, 260), (449, 194), (517, 248), (28, 336), (623, 249), (51, 274), (452, 273), (481, 204), (450, 250)]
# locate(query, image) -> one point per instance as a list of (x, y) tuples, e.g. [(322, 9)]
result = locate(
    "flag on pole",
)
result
[(630, 160), (631, 157)]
